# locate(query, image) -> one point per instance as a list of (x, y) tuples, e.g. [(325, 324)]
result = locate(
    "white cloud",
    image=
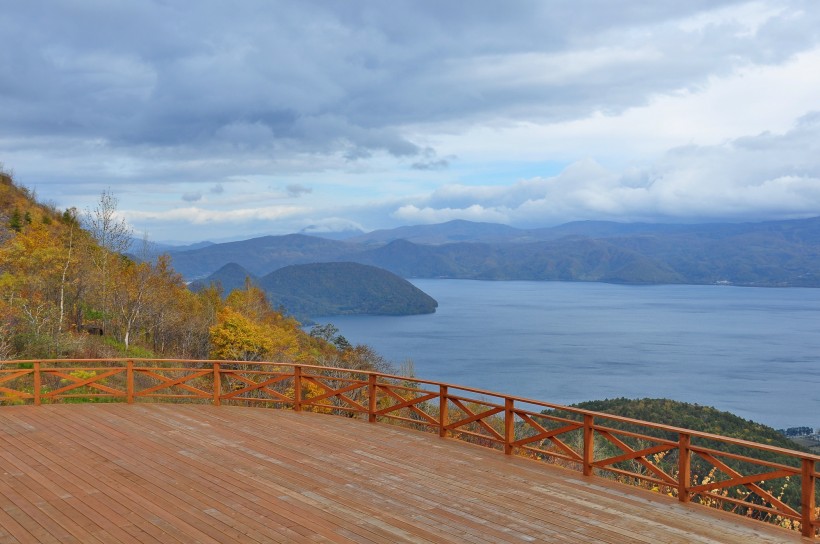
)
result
[(768, 175), (199, 216), (414, 215), (327, 225), (748, 101)]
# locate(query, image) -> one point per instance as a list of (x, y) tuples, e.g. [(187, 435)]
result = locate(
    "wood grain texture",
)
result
[(193, 473)]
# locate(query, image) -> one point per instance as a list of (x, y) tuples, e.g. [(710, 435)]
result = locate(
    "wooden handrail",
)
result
[(741, 481)]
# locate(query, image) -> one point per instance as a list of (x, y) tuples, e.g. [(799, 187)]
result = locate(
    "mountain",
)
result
[(229, 277), (321, 289), (579, 259), (312, 230), (344, 288), (258, 255), (183, 247), (445, 233), (411, 260), (773, 253)]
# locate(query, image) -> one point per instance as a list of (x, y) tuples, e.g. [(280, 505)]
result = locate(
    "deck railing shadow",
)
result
[(759, 481)]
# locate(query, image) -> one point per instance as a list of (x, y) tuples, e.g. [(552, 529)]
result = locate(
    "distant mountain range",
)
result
[(772, 253)]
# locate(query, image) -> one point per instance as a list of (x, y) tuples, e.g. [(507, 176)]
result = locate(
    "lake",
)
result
[(751, 351)]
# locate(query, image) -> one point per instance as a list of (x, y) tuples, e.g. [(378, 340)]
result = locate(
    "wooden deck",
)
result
[(92, 473)]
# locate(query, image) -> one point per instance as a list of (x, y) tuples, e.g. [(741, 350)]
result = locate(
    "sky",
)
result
[(213, 120)]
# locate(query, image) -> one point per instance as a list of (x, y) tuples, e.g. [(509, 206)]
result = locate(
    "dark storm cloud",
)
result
[(376, 99), (346, 77), (436, 164), (295, 190), (192, 197), (430, 161)]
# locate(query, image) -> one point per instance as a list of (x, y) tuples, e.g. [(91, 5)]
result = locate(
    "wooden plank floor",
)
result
[(152, 473)]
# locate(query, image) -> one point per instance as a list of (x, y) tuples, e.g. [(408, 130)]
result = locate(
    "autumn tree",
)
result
[(6, 331), (129, 296), (238, 338), (35, 268), (176, 320), (113, 237), (66, 277), (249, 329)]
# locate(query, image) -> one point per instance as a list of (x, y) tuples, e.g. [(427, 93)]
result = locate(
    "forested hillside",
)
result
[(689, 416), (325, 289), (344, 288), (68, 289), (699, 418)]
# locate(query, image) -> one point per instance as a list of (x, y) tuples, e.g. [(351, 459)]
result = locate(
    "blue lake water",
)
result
[(754, 352)]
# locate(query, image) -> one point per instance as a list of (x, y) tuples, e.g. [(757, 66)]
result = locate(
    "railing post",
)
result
[(37, 383), (589, 444), (129, 381), (509, 425), (371, 398), (684, 466), (808, 503), (443, 417), (297, 388), (217, 385)]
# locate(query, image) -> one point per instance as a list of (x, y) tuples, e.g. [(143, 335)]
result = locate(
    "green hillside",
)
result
[(344, 288), (689, 416), (698, 418), (229, 277)]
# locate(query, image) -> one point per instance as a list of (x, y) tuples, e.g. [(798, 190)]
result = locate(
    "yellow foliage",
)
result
[(309, 391), (79, 374), (238, 337), (235, 337), (33, 252)]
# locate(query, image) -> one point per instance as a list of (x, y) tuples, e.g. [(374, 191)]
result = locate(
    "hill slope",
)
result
[(229, 277), (690, 416), (699, 418), (344, 288)]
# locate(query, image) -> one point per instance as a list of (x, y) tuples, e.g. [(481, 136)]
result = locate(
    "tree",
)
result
[(330, 333), (16, 220), (66, 266), (113, 236), (6, 331), (237, 338), (249, 329), (131, 290), (33, 276), (110, 232)]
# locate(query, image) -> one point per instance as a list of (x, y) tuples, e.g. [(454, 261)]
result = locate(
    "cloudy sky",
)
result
[(214, 120)]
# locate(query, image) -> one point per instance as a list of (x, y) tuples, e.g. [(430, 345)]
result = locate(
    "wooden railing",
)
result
[(760, 481)]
